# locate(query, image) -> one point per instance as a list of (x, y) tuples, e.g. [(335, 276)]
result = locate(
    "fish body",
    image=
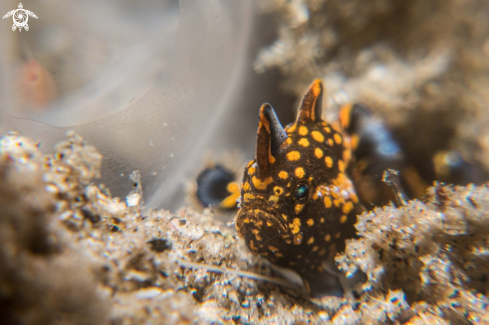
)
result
[(298, 206)]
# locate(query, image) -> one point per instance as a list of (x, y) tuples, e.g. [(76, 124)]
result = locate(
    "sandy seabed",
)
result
[(72, 254)]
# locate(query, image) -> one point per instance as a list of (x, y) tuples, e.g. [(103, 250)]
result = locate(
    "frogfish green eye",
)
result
[(301, 192)]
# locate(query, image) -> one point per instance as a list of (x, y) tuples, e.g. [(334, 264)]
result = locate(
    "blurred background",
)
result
[(157, 86)]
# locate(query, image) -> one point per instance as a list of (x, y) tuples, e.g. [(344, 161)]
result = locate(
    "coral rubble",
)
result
[(435, 251)]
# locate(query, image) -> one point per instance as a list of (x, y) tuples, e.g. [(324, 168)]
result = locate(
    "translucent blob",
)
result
[(151, 82)]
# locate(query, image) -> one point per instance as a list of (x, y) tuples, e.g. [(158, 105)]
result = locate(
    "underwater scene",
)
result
[(244, 162)]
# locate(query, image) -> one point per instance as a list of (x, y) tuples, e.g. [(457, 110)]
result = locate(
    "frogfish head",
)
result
[(297, 204)]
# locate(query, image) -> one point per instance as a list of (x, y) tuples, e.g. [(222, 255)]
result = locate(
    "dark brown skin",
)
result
[(297, 204)]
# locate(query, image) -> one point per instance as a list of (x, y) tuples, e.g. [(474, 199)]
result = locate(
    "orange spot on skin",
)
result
[(337, 202), (354, 198), (337, 138), (292, 128), (338, 235), (321, 220), (341, 166), (327, 202), (347, 207), (258, 223), (230, 201), (329, 161), (317, 136), (288, 141), (345, 115), (327, 238), (299, 172), (271, 159), (283, 175), (295, 226), (278, 190), (303, 130), (252, 246), (273, 199), (298, 208), (315, 196), (315, 248), (304, 142), (343, 219), (284, 217), (310, 241), (248, 197), (355, 140), (327, 129), (310, 222), (261, 185), (273, 249), (251, 171), (318, 152), (263, 121), (347, 154), (293, 155), (335, 194), (246, 186), (316, 87), (330, 142)]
